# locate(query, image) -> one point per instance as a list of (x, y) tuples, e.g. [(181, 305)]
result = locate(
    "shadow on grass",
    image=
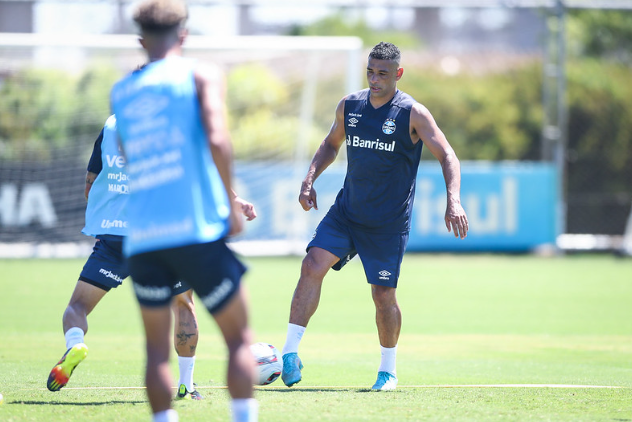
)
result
[(96, 403)]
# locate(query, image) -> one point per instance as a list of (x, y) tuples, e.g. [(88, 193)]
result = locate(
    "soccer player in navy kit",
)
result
[(384, 130), (171, 121)]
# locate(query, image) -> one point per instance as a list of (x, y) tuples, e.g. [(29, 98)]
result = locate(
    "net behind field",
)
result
[(280, 97)]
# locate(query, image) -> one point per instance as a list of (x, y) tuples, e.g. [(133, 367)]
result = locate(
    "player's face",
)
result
[(382, 76)]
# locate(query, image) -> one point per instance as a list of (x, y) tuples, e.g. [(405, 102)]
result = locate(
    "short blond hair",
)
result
[(161, 15)]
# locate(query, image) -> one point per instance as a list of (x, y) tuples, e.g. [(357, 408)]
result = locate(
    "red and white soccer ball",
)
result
[(268, 363)]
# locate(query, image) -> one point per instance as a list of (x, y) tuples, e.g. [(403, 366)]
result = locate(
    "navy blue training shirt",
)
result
[(382, 163), (95, 165)]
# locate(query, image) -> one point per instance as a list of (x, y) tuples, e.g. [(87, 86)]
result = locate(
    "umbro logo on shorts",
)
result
[(384, 275)]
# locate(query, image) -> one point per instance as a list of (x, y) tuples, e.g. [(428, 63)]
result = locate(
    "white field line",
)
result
[(352, 387)]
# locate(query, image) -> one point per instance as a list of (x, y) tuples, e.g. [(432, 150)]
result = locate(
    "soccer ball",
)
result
[(268, 363)]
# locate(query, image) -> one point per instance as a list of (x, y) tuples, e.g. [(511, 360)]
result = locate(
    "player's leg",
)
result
[(157, 321), (153, 278), (306, 296), (305, 301), (185, 340), (75, 322), (388, 318), (84, 299), (388, 315), (215, 274), (382, 266), (232, 320), (331, 247), (104, 269)]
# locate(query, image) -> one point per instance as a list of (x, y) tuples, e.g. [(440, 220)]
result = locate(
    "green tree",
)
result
[(493, 116), (43, 110), (35, 111), (604, 34), (264, 115), (340, 24)]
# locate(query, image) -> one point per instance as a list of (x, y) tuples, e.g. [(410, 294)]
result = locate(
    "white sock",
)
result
[(186, 365), (168, 415), (294, 336), (244, 410), (73, 336), (389, 358)]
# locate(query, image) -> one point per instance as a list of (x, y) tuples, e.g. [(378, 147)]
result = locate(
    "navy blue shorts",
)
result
[(381, 253), (211, 269), (106, 268)]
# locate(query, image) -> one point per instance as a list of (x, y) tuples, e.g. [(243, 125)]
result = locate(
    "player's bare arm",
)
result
[(90, 178), (424, 127), (211, 89), (324, 156)]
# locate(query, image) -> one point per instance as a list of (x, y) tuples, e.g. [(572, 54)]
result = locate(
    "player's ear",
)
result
[(400, 72), (182, 34)]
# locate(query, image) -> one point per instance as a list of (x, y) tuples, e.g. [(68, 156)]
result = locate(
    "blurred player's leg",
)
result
[(75, 322), (185, 340), (232, 320), (158, 375)]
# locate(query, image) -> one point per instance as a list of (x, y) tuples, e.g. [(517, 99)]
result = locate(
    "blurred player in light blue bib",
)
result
[(107, 189), (171, 121)]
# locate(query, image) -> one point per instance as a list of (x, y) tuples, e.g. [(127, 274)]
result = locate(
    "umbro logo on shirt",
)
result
[(352, 119)]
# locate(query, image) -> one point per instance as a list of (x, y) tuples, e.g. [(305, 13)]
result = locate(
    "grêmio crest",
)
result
[(388, 127)]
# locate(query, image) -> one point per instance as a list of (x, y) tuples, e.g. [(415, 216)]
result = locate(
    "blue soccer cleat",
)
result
[(61, 373), (292, 366), (385, 382)]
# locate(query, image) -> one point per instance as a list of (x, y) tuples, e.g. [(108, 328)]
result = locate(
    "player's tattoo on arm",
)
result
[(90, 178)]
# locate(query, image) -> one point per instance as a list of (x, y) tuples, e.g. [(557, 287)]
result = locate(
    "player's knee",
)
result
[(180, 303), (313, 268), (384, 296), (183, 302)]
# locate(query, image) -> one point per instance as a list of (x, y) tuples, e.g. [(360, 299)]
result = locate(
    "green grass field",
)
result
[(484, 338)]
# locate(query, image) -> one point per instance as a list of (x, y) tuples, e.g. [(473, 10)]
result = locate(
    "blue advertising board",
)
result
[(510, 206)]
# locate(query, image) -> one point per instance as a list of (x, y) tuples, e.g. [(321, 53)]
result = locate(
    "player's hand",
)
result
[(236, 220), (456, 220), (307, 198), (247, 209)]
